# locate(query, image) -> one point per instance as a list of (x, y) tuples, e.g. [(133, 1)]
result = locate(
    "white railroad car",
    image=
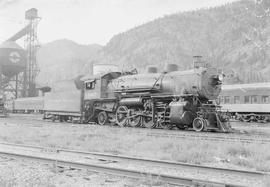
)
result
[(247, 102)]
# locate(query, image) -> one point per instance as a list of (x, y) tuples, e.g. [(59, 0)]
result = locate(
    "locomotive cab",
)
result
[(97, 86), (99, 101)]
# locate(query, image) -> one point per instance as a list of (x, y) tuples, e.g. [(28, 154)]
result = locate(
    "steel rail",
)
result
[(211, 137), (190, 135), (152, 162), (121, 172)]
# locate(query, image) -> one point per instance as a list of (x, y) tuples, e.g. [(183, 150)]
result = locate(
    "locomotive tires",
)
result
[(135, 121), (102, 118), (198, 124), (122, 116)]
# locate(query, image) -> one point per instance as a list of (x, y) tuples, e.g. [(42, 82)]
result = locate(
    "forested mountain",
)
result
[(235, 37)]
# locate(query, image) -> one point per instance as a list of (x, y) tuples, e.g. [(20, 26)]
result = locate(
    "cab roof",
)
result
[(110, 75)]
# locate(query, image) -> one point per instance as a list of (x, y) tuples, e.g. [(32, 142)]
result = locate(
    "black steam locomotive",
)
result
[(153, 100)]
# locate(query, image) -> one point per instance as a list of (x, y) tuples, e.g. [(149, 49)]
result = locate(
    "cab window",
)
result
[(90, 85), (247, 99), (254, 99), (227, 99), (265, 99), (236, 99)]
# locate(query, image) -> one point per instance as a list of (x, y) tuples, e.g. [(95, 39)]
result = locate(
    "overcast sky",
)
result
[(90, 21)]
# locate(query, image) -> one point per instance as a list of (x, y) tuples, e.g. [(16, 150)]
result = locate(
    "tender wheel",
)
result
[(198, 124), (122, 116), (102, 118)]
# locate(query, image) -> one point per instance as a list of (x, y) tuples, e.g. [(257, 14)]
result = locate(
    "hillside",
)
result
[(64, 59), (229, 37), (234, 37)]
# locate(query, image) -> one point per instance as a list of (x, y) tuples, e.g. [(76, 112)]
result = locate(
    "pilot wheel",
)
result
[(198, 124)]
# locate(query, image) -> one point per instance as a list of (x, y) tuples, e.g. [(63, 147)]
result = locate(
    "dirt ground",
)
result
[(19, 172), (262, 129)]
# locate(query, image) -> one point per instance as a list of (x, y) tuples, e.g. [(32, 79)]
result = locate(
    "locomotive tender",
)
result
[(172, 98)]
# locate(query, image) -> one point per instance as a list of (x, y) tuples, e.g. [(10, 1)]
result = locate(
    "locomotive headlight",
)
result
[(217, 79), (220, 77)]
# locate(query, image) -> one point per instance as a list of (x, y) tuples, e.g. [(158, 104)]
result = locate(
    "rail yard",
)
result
[(191, 139), (143, 125), (123, 165), (107, 143)]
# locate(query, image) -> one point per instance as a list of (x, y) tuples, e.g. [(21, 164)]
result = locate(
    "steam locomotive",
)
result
[(153, 100)]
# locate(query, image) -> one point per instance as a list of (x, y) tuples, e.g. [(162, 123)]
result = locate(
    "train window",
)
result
[(226, 99), (236, 99), (247, 99), (221, 99), (90, 85), (254, 99), (265, 99)]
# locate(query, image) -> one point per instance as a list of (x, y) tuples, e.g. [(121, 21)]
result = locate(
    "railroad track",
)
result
[(221, 137), (171, 179)]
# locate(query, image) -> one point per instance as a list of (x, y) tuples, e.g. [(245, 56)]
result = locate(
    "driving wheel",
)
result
[(122, 116)]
